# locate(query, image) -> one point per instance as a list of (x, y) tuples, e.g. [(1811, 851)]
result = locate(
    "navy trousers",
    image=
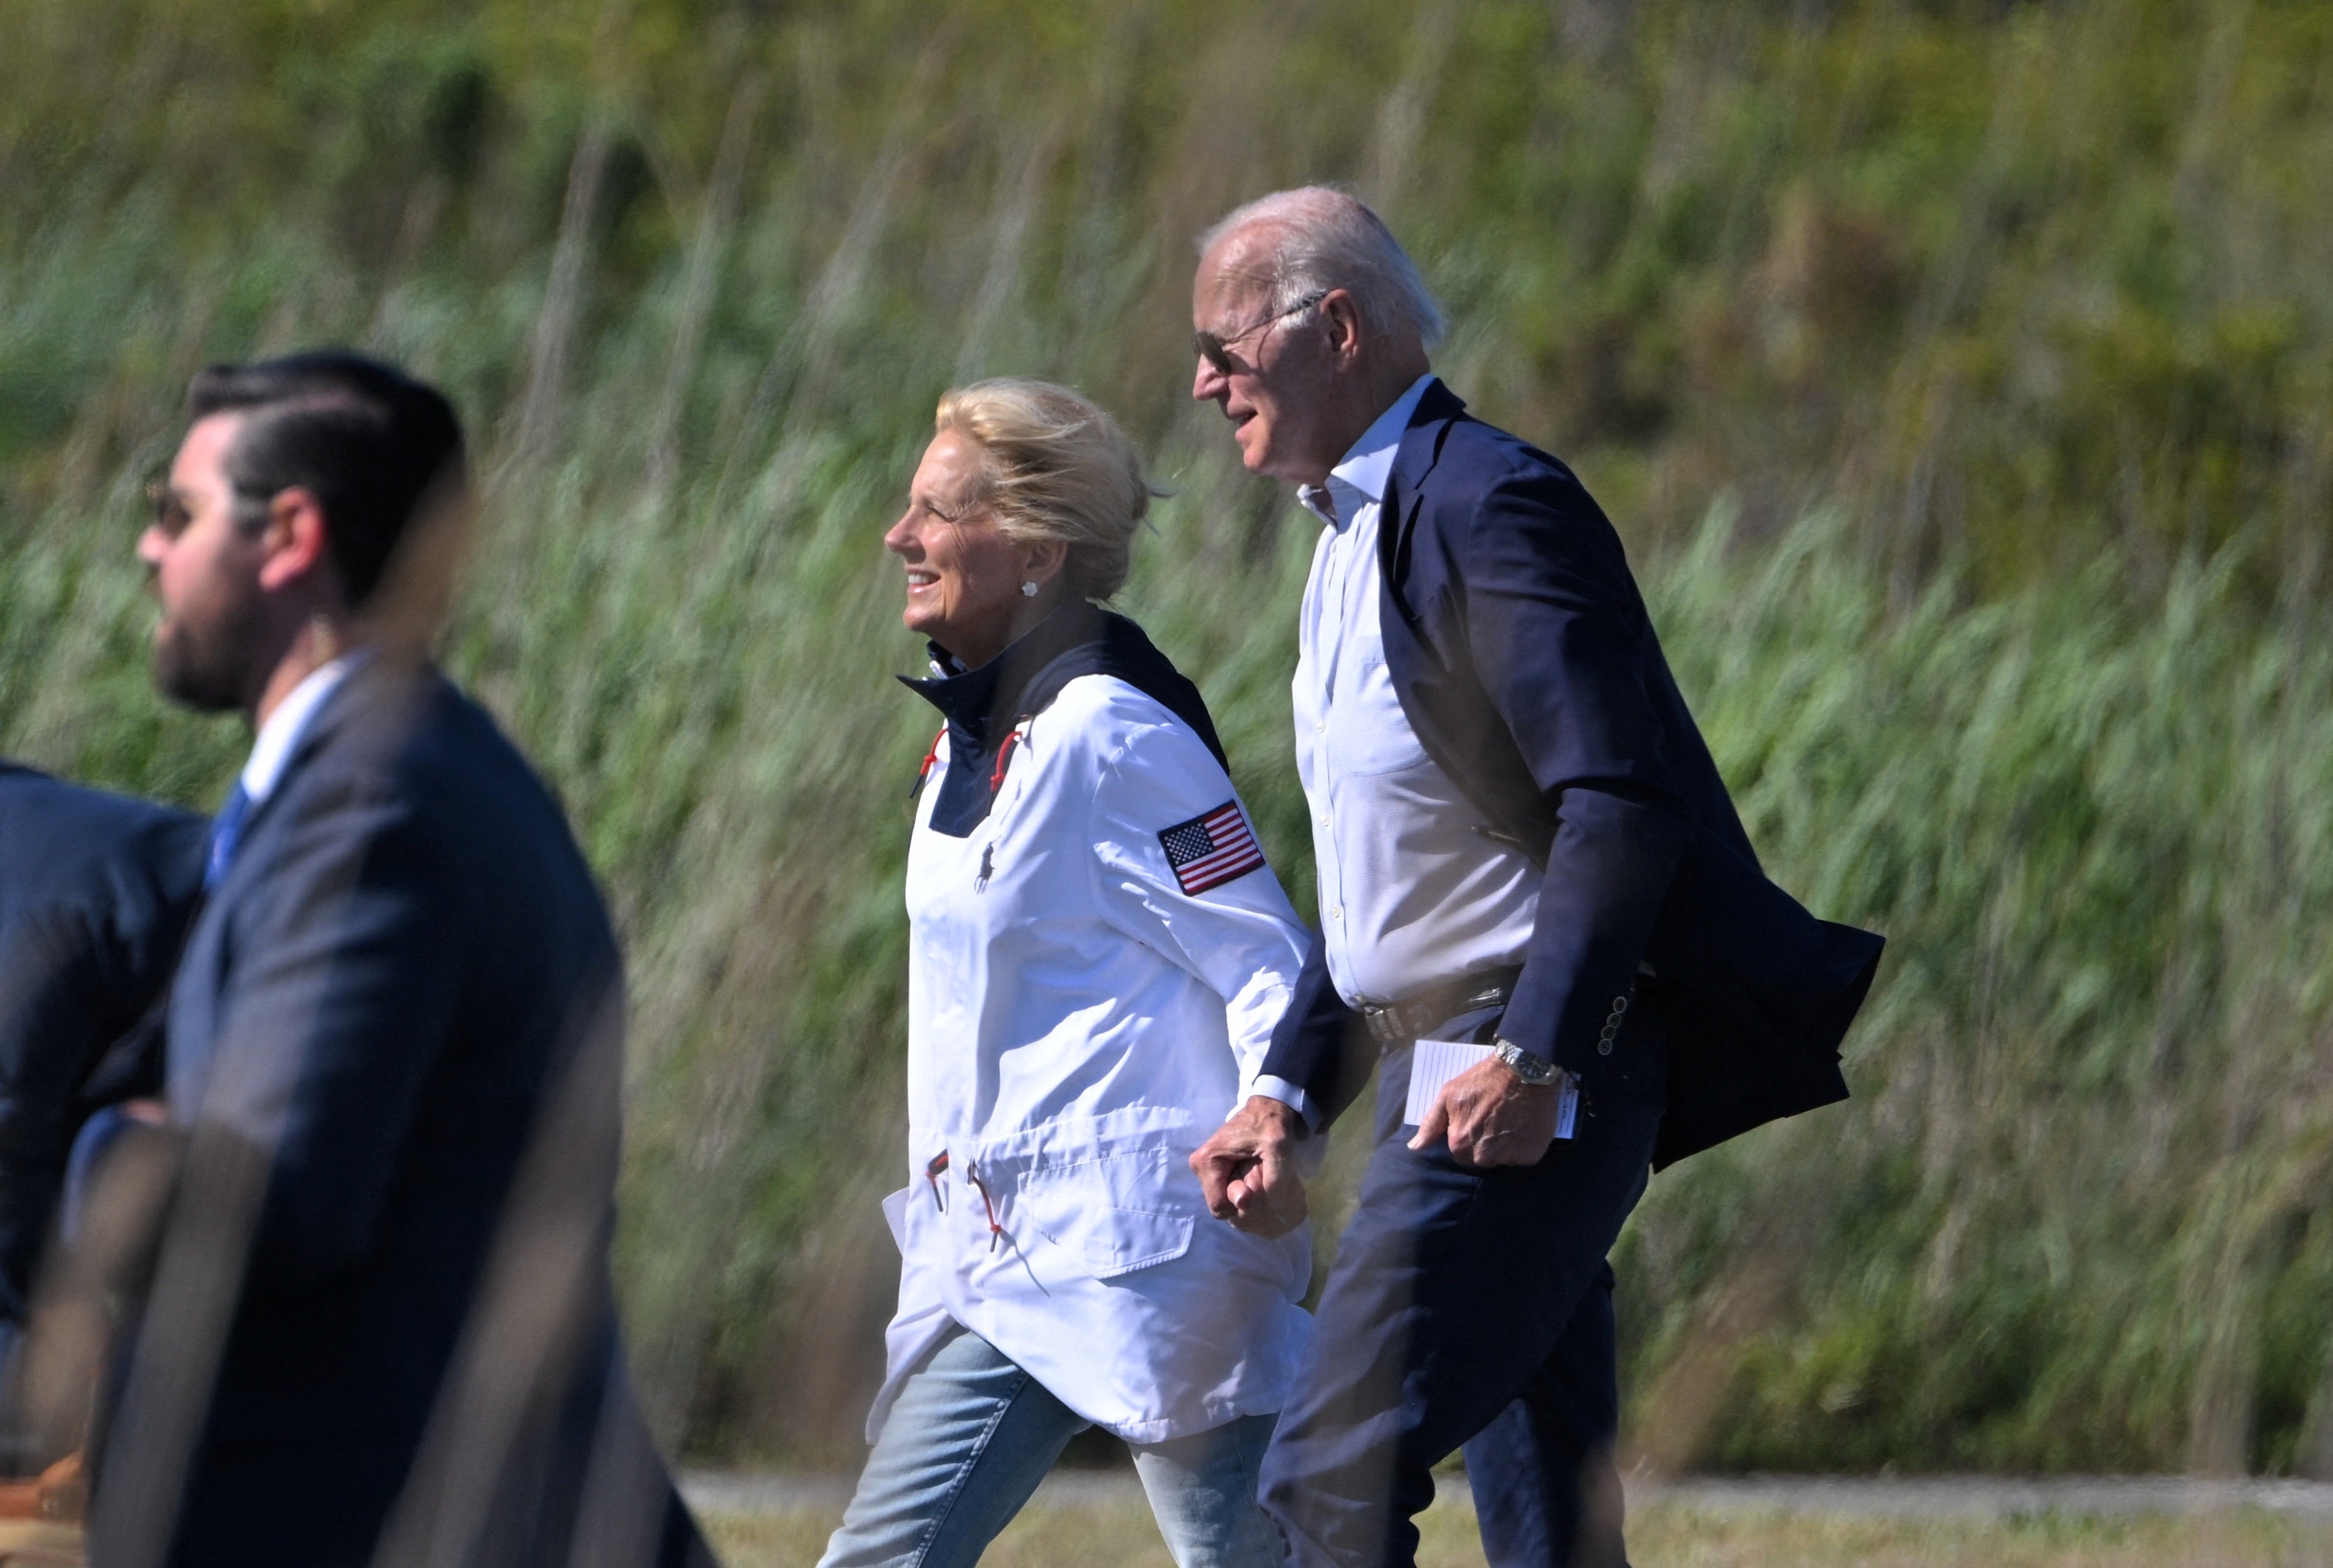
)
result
[(1474, 1309)]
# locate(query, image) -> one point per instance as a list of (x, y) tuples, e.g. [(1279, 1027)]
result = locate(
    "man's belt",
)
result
[(1398, 1023)]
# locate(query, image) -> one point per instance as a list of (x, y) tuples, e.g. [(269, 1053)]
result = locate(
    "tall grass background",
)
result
[(1960, 375)]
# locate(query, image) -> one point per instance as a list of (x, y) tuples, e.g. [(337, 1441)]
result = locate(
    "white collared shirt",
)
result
[(271, 750), (1413, 894)]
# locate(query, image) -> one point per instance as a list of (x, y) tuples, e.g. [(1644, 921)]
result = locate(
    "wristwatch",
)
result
[(1536, 1071)]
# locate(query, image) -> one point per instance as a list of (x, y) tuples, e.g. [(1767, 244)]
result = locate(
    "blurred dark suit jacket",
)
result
[(95, 894), (396, 1039), (1523, 657)]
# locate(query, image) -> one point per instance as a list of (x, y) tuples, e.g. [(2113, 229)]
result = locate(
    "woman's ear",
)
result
[(1042, 561)]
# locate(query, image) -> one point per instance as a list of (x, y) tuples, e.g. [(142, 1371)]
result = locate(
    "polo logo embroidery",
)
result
[(1212, 849)]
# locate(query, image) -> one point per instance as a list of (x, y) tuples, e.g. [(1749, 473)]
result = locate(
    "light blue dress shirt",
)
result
[(1414, 893)]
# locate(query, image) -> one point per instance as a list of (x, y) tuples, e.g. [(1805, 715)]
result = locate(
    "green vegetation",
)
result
[(1962, 375)]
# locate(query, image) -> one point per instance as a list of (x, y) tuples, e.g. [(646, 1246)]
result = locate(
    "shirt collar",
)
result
[(1359, 478), (272, 751)]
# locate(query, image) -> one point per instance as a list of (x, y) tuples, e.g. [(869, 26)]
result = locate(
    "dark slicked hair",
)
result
[(375, 448)]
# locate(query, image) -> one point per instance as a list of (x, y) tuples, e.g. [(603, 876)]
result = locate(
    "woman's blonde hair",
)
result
[(1059, 468)]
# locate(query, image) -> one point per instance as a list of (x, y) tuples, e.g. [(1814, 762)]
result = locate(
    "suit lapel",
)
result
[(374, 691), (314, 736), (1420, 449), (364, 697)]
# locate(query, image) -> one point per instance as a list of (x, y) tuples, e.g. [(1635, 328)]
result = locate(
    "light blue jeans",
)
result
[(972, 1435)]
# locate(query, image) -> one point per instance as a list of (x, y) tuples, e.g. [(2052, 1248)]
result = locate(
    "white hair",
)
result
[(1323, 238)]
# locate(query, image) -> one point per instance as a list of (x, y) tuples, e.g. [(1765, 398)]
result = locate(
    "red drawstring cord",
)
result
[(995, 774), (1004, 750), (972, 1174), (930, 756), (931, 1173)]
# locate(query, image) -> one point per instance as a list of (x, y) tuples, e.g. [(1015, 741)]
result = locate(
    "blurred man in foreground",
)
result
[(380, 1330), (1534, 889), (96, 892)]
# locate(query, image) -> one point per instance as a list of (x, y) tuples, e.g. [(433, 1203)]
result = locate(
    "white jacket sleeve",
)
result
[(1239, 934)]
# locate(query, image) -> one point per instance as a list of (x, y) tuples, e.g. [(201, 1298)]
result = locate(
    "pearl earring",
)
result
[(1028, 590)]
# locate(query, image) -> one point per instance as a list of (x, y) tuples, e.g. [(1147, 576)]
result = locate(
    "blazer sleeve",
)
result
[(1557, 636), (349, 962), (55, 1016), (1318, 1047)]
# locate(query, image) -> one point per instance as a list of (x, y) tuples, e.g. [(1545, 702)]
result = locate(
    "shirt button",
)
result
[(1337, 912), (1324, 819), (1319, 726)]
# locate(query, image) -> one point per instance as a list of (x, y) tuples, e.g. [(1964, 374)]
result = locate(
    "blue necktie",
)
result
[(225, 828)]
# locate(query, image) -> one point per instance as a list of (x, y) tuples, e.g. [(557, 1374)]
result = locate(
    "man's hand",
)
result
[(1245, 1173), (1492, 1117)]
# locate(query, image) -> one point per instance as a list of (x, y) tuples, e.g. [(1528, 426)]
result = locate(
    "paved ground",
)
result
[(1901, 1498), (1990, 1496)]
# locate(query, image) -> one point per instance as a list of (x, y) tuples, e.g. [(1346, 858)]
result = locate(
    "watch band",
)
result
[(1536, 1071)]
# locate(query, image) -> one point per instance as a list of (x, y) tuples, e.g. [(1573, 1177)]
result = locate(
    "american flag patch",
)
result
[(1210, 850)]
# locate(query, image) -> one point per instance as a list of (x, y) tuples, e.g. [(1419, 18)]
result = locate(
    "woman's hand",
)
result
[(1245, 1172)]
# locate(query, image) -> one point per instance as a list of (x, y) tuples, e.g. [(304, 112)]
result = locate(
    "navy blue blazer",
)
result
[(1521, 654), (96, 891), (398, 1024)]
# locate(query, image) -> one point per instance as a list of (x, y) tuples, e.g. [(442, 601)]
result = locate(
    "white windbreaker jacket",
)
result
[(1094, 971)]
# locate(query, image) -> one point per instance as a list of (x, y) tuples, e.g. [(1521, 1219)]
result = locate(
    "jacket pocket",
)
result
[(1113, 1215), (894, 1215)]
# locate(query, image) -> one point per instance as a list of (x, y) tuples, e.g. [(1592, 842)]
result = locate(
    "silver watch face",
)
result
[(1531, 1069)]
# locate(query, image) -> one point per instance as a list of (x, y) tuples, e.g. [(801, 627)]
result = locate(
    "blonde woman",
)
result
[(1098, 958)]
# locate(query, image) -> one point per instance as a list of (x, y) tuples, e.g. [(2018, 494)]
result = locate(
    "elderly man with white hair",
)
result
[(1534, 892)]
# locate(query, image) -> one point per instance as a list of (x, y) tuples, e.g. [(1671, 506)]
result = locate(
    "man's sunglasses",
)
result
[(170, 514), (1217, 351)]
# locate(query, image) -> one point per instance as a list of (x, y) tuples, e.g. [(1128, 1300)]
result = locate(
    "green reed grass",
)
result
[(2021, 309)]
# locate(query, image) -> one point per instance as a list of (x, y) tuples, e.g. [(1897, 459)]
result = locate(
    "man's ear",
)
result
[(1341, 315), (293, 540)]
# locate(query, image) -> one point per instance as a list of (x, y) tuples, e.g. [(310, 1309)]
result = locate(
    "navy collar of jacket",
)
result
[(983, 705), (1438, 409), (379, 697)]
